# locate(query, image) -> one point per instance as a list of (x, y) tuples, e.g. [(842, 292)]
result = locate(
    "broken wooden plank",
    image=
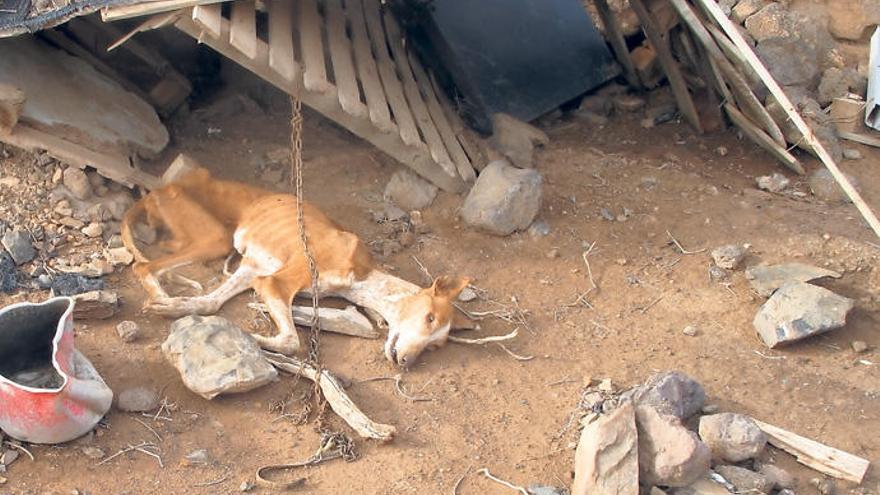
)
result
[(348, 321), (344, 74), (476, 154), (243, 27), (312, 46), (154, 22), (826, 460), (210, 17), (282, 58), (414, 97), (393, 88), (733, 33), (860, 138), (335, 394), (670, 66), (456, 152), (760, 138), (617, 41), (368, 73), (119, 12), (115, 167)]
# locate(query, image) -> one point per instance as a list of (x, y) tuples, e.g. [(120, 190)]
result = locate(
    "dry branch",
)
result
[(335, 394), (485, 340)]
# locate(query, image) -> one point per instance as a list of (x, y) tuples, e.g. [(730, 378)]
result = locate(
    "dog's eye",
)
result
[(430, 318)]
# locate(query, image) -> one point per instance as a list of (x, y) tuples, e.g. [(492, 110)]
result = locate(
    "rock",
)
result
[(728, 256), (852, 154), (669, 454), (214, 356), (599, 105), (765, 279), (732, 437), (539, 228), (606, 460), (703, 486), (790, 62), (821, 123), (516, 139), (95, 305), (198, 457), (690, 331), (850, 19), (138, 399), (93, 230), (118, 256), (128, 331), (628, 103), (8, 276), (824, 486), (503, 199), (780, 478), (71, 284), (717, 274), (409, 191), (824, 187), (745, 9), (800, 310), (591, 118), (246, 486), (98, 213), (118, 203), (837, 83), (18, 245), (859, 346), (9, 457), (772, 21), (76, 181), (467, 295), (773, 183), (92, 452), (545, 490), (671, 392), (745, 481)]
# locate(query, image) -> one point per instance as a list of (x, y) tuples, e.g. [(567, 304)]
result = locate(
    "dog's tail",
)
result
[(125, 229)]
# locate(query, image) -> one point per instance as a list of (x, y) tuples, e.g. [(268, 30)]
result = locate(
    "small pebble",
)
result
[(246, 486), (128, 331), (690, 331), (467, 294), (852, 154), (710, 409), (553, 253), (824, 486), (198, 456), (93, 452), (721, 150), (859, 346)]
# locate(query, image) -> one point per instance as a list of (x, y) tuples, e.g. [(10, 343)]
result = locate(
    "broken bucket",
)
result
[(49, 392)]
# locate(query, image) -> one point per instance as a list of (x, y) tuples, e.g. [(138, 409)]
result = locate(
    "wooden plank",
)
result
[(617, 41), (414, 97), (393, 88), (282, 58), (209, 17), (149, 8), (114, 166), (154, 22), (453, 147), (712, 110), (377, 105), (826, 460), (327, 104), (744, 96), (734, 55), (777, 92), (343, 64), (670, 66), (243, 27), (476, 154), (761, 138), (312, 46)]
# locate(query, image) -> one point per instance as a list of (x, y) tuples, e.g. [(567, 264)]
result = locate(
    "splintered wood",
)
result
[(349, 61)]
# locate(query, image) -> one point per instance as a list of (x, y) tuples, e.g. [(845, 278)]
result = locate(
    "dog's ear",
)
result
[(449, 287)]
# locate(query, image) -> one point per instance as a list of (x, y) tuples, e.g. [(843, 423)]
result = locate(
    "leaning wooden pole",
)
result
[(715, 11)]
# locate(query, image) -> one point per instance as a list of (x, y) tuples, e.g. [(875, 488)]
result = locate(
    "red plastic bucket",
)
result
[(49, 392)]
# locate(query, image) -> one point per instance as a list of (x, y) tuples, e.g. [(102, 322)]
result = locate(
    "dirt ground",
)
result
[(487, 409)]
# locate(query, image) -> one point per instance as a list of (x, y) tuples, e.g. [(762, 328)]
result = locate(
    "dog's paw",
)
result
[(172, 307), (288, 347)]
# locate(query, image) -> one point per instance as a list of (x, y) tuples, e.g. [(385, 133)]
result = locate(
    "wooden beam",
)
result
[(777, 92), (670, 66), (243, 27), (760, 138), (149, 8), (617, 41)]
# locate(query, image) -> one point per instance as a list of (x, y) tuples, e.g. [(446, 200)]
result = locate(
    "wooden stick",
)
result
[(757, 135), (485, 340), (777, 92), (335, 394), (822, 458), (617, 41), (348, 321), (670, 67)]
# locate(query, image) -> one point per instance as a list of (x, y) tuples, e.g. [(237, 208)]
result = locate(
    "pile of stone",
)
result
[(661, 437)]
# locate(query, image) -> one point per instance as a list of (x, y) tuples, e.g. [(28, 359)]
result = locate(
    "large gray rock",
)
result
[(670, 392), (791, 62), (606, 460), (838, 82), (745, 481), (732, 437), (800, 310), (504, 199), (214, 356), (765, 279), (824, 187), (669, 454), (409, 191), (772, 21), (516, 139), (18, 245)]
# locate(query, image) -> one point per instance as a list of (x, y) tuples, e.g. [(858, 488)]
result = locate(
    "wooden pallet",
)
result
[(348, 62)]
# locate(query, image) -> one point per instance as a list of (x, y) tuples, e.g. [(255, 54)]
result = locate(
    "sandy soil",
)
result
[(488, 409)]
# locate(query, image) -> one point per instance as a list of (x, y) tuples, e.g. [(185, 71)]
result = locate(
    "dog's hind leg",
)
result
[(207, 304), (277, 292)]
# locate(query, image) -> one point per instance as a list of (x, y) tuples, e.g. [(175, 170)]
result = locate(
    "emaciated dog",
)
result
[(208, 218)]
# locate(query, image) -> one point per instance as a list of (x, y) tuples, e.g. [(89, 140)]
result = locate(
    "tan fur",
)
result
[(208, 217)]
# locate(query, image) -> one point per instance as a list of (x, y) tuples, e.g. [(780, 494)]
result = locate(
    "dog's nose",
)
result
[(394, 355)]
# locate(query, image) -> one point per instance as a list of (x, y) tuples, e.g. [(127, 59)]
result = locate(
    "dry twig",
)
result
[(485, 472), (680, 247), (515, 355), (159, 437), (141, 447), (485, 340), (21, 448)]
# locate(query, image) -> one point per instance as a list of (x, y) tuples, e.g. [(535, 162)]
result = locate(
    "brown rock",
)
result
[(97, 305), (669, 454), (606, 461), (732, 437), (745, 481)]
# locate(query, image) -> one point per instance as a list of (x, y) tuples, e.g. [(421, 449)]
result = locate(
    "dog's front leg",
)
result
[(207, 304)]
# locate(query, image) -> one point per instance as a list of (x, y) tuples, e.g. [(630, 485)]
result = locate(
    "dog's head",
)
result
[(424, 320)]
